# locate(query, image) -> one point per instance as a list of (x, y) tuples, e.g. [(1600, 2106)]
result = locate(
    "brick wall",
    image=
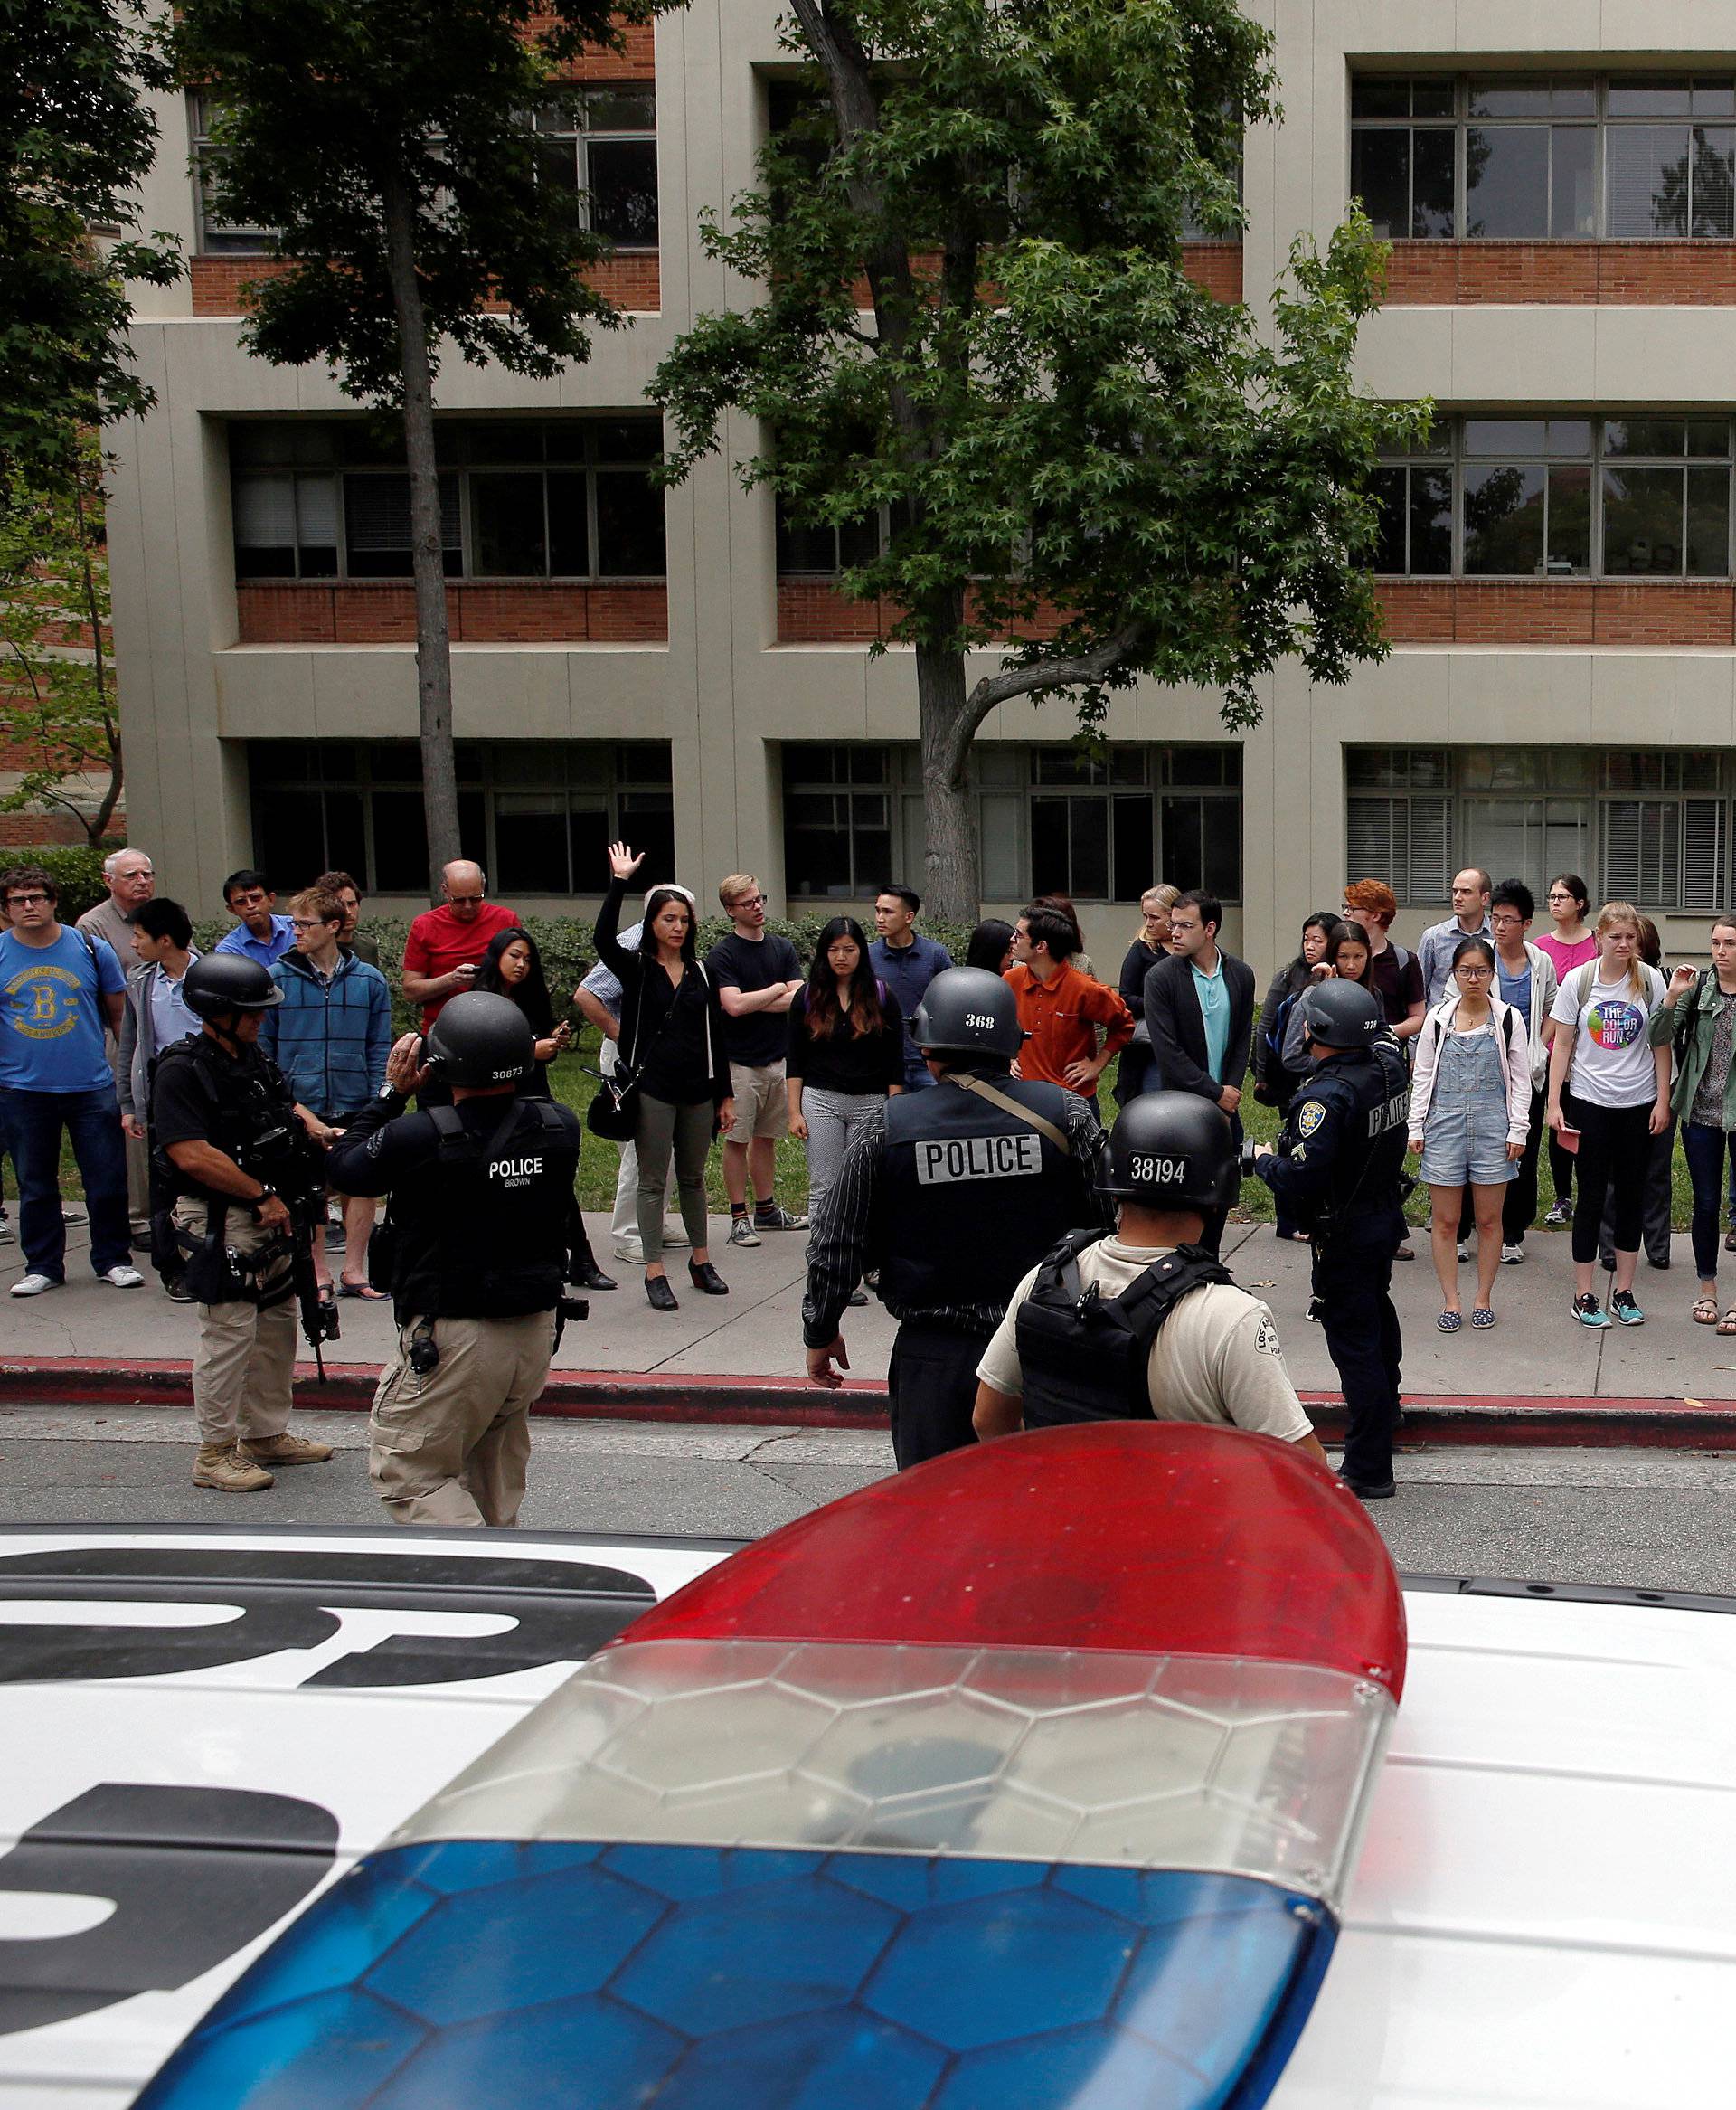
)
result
[(1635, 274), (813, 611), (633, 281), (1559, 612), (1215, 265), (636, 61), (516, 613)]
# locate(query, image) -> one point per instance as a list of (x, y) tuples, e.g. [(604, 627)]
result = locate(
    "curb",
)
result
[(708, 1399)]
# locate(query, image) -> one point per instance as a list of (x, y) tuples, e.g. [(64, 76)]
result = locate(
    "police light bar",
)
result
[(1032, 1777)]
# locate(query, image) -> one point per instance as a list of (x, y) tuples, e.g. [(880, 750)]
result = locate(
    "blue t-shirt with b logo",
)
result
[(51, 1012)]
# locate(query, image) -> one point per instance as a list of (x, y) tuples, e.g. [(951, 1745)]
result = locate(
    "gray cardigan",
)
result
[(138, 1042)]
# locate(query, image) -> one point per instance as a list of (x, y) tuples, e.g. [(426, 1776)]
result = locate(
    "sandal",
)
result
[(1705, 1312), (346, 1288), (1482, 1318), (1726, 1324), (1450, 1321)]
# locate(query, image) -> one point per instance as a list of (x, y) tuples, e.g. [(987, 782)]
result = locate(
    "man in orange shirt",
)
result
[(1060, 1008)]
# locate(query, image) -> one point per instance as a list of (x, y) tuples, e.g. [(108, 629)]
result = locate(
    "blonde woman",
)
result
[(1133, 1074), (1609, 1089)]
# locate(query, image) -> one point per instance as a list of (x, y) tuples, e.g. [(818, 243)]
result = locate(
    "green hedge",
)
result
[(76, 869)]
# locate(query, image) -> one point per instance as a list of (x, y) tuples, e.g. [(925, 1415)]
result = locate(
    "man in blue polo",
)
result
[(259, 934), (907, 962)]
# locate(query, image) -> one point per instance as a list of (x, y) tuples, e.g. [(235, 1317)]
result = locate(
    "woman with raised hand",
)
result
[(1470, 1112), (846, 1040), (672, 1053)]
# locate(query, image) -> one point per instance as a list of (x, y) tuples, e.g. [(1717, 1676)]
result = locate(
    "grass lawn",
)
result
[(574, 1078)]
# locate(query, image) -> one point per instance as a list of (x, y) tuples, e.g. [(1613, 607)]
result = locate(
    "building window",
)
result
[(837, 820), (1649, 827), (1099, 828), (824, 552), (600, 143), (538, 816), (217, 237), (1547, 497), (1539, 157), (519, 499)]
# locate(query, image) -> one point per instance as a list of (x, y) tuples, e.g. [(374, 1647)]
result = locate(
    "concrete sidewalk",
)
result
[(87, 1339)]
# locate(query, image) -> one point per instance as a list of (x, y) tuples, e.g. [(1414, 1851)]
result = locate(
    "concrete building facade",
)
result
[(1558, 182)]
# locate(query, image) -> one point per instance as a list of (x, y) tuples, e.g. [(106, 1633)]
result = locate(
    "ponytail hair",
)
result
[(1610, 915)]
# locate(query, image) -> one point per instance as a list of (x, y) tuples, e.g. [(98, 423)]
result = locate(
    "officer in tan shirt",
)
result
[(1166, 1334)]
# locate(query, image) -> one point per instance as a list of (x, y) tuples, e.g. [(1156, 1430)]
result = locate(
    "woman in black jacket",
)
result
[(846, 1052), (1274, 1085), (672, 1047), (1133, 1073), (512, 968)]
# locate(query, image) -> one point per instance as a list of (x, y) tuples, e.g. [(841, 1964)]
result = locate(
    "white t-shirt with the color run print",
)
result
[(1614, 1064)]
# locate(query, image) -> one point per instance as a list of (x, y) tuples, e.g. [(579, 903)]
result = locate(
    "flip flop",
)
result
[(365, 1291)]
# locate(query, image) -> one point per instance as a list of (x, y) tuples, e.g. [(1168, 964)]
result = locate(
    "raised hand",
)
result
[(622, 863)]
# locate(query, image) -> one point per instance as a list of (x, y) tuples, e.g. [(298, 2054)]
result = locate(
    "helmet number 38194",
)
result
[(1160, 1171)]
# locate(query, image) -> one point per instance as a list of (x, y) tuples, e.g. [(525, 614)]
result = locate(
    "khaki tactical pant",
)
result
[(243, 1375), (451, 1447)]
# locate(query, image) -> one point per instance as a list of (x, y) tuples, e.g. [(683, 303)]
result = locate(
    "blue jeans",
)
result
[(32, 1124), (1704, 1148)]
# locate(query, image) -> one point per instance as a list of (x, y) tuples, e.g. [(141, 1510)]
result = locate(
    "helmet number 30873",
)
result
[(1160, 1171)]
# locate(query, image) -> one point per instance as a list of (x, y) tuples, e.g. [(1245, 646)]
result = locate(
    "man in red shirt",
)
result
[(1060, 1008), (446, 944)]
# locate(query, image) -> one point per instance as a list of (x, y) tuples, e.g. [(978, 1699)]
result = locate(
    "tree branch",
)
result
[(1085, 671)]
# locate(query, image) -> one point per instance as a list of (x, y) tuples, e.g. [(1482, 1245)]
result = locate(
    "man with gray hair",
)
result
[(131, 880)]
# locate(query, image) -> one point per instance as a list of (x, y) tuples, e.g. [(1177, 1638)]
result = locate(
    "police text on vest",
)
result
[(977, 1158)]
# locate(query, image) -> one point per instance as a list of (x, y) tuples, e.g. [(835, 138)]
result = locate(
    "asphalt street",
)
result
[(1644, 1519)]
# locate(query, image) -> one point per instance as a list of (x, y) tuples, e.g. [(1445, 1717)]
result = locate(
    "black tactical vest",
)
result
[(1086, 1356), (480, 1230), (1374, 1091), (973, 1194)]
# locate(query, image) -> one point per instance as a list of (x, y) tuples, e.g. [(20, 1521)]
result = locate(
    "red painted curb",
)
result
[(861, 1404)]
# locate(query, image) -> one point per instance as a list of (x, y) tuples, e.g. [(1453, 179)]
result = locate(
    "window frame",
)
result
[(231, 242), (1600, 120), (457, 448), (580, 773), (1449, 448), (578, 101)]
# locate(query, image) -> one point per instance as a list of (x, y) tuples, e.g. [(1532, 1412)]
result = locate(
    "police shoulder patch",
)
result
[(1265, 1336), (1310, 1117)]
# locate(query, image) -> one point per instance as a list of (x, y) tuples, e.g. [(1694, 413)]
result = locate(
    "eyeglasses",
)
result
[(311, 922), (464, 901), (24, 900), (1474, 973), (748, 901), (1505, 923)]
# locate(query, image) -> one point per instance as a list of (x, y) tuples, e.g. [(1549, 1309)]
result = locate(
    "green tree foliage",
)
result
[(1052, 415), (388, 143), (57, 688), (74, 140)]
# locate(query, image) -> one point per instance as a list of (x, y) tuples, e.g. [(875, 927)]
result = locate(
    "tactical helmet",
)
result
[(220, 982), (481, 1040), (969, 1011), (1341, 1015), (1173, 1150)]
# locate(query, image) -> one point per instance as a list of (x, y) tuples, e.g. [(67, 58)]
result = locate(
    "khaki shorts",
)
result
[(761, 1103)]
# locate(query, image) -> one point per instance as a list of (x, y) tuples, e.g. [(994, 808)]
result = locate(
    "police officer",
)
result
[(952, 1195), (214, 1100), (475, 1236), (1145, 1324), (1338, 1172)]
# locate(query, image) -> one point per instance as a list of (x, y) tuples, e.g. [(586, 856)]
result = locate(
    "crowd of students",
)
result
[(1571, 1043)]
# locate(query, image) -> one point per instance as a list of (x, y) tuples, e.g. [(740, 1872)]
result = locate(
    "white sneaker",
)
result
[(630, 1251), (1464, 1254), (1512, 1256), (32, 1285), (674, 1233), (121, 1278), (8, 1234)]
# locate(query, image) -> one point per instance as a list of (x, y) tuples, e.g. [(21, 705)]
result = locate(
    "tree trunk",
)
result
[(433, 634), (97, 827), (953, 869)]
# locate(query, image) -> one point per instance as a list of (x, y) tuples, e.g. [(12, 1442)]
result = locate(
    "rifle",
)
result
[(287, 1157)]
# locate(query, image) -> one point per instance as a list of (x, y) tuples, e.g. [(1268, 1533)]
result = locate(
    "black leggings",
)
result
[(1614, 1147)]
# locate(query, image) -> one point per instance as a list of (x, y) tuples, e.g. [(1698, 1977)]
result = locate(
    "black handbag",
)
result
[(614, 1112)]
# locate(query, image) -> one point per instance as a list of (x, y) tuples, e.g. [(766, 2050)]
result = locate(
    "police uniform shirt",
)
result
[(1353, 1109), (1214, 1360)]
